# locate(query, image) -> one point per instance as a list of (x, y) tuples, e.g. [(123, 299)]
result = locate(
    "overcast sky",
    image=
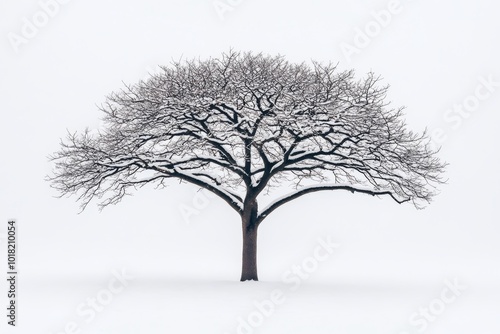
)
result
[(440, 58)]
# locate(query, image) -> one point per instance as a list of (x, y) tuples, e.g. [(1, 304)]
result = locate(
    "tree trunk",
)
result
[(249, 258)]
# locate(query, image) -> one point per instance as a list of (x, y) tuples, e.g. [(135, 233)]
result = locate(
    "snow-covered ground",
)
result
[(163, 305)]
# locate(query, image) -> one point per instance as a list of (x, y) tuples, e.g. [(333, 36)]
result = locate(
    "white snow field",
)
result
[(162, 305)]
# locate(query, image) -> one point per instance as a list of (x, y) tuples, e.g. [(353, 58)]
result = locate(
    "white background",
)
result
[(393, 259)]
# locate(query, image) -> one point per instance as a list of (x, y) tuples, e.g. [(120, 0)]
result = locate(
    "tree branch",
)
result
[(307, 190)]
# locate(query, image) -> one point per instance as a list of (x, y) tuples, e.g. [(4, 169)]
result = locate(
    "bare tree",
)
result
[(243, 124)]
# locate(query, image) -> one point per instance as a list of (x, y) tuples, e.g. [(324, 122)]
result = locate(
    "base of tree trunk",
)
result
[(249, 256)]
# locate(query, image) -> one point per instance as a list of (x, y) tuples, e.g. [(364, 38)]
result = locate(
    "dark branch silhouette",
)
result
[(243, 124)]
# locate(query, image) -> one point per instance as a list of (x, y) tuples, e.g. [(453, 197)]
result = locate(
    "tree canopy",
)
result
[(245, 123)]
